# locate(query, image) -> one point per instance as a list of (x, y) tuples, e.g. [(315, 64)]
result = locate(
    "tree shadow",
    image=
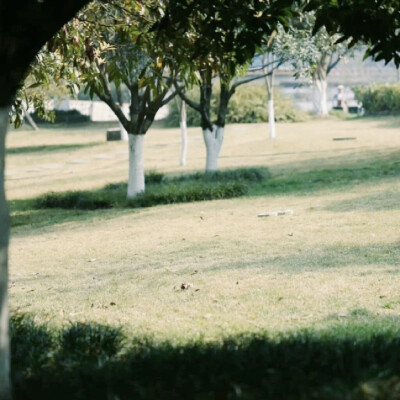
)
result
[(293, 181), (90, 361), (382, 201), (230, 183), (333, 256), (50, 148)]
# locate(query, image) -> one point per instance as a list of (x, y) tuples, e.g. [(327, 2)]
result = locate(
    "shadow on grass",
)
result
[(386, 121), (89, 361), (334, 256), (224, 184), (302, 183), (49, 148), (382, 201)]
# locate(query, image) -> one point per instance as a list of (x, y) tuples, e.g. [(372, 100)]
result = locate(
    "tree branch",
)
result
[(107, 98), (253, 78), (333, 64), (169, 98), (182, 95)]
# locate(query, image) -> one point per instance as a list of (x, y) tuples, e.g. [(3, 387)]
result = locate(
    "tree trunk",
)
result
[(30, 120), (271, 119), (320, 81), (124, 133), (320, 98), (5, 384), (213, 141), (269, 82), (136, 183), (183, 126)]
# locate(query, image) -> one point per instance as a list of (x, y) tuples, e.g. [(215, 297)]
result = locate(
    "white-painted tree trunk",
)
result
[(213, 141), (183, 125), (320, 98), (271, 119), (136, 183), (124, 133), (269, 82), (5, 383), (30, 120)]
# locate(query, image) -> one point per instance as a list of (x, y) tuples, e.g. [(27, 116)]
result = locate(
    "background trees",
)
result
[(113, 46), (311, 55), (221, 46), (215, 41), (372, 22)]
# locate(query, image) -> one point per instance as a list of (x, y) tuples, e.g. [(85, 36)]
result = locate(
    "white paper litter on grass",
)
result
[(276, 213)]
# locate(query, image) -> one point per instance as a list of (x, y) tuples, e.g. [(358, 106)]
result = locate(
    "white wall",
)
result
[(96, 110)]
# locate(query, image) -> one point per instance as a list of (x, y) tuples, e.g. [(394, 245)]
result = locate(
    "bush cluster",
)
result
[(160, 190), (247, 105), (85, 361), (60, 116), (379, 99)]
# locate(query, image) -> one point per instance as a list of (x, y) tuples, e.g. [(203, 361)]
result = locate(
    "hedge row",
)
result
[(379, 98)]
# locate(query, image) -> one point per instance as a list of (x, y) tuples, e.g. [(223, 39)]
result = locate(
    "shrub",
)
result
[(188, 192), (192, 116), (60, 116), (160, 190), (90, 342), (31, 345), (379, 99), (153, 177), (90, 361), (82, 200), (240, 174), (247, 105)]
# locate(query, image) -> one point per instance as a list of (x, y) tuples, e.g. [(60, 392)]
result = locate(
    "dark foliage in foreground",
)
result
[(88, 361)]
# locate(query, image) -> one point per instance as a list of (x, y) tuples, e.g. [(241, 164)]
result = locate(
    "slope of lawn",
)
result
[(211, 299)]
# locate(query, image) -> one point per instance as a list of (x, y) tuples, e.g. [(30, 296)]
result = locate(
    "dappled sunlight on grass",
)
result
[(309, 297)]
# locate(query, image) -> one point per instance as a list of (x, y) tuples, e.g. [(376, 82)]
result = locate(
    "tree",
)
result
[(268, 63), (113, 45), (375, 23), (216, 41), (25, 26), (312, 55)]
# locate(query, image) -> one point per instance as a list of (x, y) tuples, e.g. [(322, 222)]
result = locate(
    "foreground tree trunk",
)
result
[(25, 28), (183, 125), (136, 182), (5, 383), (213, 140)]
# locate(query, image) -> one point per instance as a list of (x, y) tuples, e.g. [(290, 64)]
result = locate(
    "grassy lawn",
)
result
[(330, 271)]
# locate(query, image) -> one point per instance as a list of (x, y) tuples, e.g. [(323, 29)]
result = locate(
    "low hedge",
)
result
[(379, 98), (88, 361), (159, 190)]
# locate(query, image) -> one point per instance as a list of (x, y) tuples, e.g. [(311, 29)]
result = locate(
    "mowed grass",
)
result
[(204, 271)]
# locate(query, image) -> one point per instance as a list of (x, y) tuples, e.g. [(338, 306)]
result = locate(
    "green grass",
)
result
[(160, 190), (49, 148), (92, 361), (302, 306), (200, 187)]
